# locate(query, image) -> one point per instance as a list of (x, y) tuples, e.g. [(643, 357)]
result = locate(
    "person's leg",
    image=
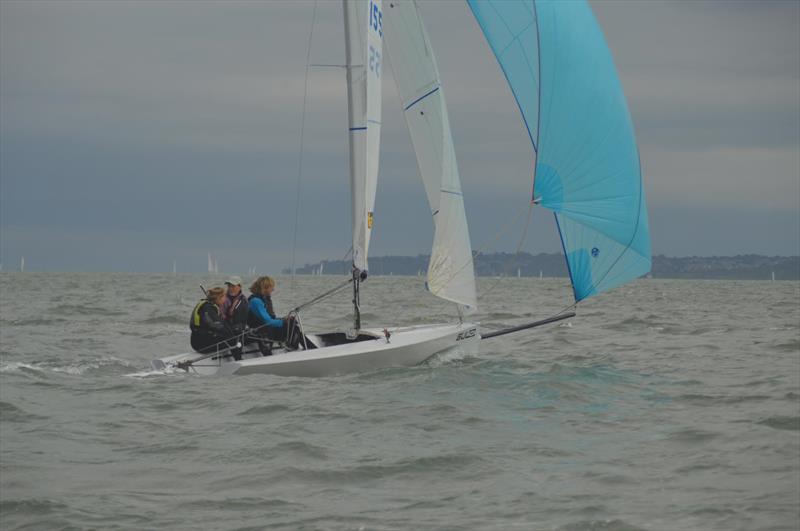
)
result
[(277, 334), (202, 343)]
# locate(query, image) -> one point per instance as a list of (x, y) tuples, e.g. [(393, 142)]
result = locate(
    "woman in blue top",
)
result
[(262, 314)]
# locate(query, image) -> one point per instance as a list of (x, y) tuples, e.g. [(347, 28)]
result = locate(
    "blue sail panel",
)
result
[(587, 164), (510, 28), (598, 263)]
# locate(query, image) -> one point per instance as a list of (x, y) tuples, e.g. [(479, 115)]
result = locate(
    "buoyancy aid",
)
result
[(196, 321), (253, 320), (235, 311)]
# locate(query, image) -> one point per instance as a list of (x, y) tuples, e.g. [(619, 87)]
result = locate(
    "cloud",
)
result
[(132, 116)]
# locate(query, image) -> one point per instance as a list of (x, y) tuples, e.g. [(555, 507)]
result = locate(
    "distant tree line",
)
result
[(740, 267)]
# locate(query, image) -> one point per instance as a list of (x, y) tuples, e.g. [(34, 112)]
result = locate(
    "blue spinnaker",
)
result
[(588, 172)]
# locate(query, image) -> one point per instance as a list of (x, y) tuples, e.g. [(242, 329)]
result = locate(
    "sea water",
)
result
[(663, 405)]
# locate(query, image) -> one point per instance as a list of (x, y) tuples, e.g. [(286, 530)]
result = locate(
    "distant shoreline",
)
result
[(525, 265), (549, 265)]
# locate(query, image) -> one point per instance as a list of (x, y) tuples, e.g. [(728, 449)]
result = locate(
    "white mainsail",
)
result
[(364, 50), (450, 271)]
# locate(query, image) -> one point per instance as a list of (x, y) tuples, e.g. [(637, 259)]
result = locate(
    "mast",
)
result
[(363, 29)]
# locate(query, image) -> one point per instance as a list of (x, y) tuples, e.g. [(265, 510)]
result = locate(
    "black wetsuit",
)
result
[(208, 328)]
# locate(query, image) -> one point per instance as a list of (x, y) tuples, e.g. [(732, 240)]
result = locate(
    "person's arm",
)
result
[(212, 321), (258, 308)]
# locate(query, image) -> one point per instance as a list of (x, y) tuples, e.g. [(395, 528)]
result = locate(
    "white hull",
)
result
[(405, 348)]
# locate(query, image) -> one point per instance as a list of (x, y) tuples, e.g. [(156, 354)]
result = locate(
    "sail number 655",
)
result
[(376, 18)]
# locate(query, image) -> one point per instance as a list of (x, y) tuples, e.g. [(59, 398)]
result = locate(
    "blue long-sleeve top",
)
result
[(257, 307)]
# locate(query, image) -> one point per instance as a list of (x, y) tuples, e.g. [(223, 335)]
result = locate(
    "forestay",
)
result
[(364, 53), (450, 271), (588, 172)]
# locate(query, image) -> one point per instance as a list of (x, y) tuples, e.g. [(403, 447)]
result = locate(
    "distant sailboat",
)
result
[(519, 272), (210, 264), (321, 267), (540, 273), (773, 276), (174, 267), (22, 264)]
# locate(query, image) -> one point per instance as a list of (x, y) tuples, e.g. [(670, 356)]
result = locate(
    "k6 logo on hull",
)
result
[(467, 334)]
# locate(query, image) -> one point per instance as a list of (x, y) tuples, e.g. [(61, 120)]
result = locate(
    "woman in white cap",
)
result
[(235, 308)]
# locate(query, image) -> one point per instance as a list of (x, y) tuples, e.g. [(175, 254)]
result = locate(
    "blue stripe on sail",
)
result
[(450, 192), (587, 165), (564, 247), (358, 128), (420, 99)]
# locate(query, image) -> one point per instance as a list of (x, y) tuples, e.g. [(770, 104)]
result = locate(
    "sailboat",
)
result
[(587, 172)]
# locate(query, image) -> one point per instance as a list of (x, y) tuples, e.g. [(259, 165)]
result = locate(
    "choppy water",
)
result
[(665, 405)]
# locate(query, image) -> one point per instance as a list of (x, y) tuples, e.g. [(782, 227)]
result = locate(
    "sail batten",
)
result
[(587, 168)]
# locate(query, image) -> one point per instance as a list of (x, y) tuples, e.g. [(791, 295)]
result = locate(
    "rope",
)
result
[(519, 248), (494, 238), (302, 137)]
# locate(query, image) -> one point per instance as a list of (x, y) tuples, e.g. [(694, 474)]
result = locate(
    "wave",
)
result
[(19, 366), (630, 324), (80, 309), (600, 525), (11, 413), (429, 465), (781, 423), (164, 319), (718, 400), (77, 368), (298, 448), (228, 504), (35, 321), (692, 435), (34, 506), (265, 410), (148, 373), (789, 346), (450, 356)]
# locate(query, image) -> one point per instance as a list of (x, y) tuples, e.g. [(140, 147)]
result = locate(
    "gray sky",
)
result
[(133, 134)]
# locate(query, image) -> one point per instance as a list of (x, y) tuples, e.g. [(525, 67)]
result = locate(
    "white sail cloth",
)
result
[(364, 51), (450, 271)]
